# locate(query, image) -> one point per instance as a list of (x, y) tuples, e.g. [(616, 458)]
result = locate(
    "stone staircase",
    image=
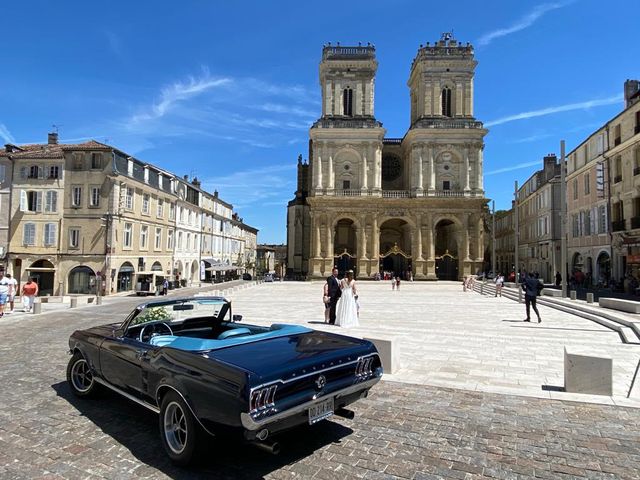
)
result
[(625, 325)]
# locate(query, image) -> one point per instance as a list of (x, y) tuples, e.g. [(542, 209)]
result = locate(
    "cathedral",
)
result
[(411, 206)]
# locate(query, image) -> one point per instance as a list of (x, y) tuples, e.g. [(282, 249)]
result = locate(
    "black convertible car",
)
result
[(190, 361)]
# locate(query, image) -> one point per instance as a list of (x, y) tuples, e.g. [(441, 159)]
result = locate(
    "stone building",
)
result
[(412, 204), (588, 233), (539, 221), (505, 246)]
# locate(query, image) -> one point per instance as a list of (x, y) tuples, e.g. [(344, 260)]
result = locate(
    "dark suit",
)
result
[(334, 295)]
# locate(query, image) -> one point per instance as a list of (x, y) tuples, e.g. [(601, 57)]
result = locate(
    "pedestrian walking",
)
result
[(499, 285), (532, 287), (398, 283), (4, 291), (29, 294), (165, 286), (13, 290)]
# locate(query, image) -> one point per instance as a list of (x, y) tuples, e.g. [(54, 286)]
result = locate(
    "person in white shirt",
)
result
[(13, 290), (4, 291)]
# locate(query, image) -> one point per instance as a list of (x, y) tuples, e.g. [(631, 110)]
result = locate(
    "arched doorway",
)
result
[(604, 269), (446, 250), (395, 245), (82, 279), (156, 267), (345, 246), (42, 272), (125, 277)]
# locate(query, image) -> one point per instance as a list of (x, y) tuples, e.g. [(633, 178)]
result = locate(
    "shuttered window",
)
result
[(50, 230), (51, 202), (29, 234)]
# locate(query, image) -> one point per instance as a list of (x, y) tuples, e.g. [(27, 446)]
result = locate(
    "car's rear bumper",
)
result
[(299, 414)]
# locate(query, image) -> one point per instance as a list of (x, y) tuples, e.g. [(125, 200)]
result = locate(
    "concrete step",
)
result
[(627, 330)]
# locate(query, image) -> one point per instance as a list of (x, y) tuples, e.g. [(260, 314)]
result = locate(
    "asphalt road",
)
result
[(400, 431)]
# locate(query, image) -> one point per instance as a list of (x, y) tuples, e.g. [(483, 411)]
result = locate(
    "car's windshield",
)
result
[(176, 312)]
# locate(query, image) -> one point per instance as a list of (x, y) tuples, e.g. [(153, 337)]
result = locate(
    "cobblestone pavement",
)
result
[(400, 431)]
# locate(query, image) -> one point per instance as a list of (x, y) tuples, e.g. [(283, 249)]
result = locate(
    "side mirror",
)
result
[(237, 318)]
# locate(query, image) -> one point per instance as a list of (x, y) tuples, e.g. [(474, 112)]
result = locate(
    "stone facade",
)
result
[(411, 206)]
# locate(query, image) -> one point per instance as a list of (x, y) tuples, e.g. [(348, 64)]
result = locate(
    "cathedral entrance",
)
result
[(345, 246), (395, 242), (446, 251)]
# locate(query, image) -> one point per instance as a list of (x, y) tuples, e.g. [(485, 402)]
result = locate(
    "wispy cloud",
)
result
[(6, 134), (557, 109), (526, 21), (513, 167), (115, 44), (266, 186), (531, 138), (178, 92)]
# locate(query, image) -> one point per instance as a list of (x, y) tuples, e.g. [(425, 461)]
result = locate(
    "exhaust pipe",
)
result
[(270, 447), (344, 413)]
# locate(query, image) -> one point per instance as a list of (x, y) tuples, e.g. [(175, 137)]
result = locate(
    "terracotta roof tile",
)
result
[(45, 150)]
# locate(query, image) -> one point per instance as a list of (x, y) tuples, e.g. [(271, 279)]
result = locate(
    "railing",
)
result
[(635, 222), (617, 225), (395, 194), (617, 179), (351, 193), (340, 122), (329, 52), (446, 123)]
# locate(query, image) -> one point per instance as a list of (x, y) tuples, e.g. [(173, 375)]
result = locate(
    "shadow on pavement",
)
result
[(136, 429)]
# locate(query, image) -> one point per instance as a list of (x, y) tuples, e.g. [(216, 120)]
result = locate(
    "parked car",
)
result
[(268, 277), (246, 276), (190, 361)]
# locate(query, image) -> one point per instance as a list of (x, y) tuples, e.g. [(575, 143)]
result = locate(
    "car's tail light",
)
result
[(363, 367), (262, 398)]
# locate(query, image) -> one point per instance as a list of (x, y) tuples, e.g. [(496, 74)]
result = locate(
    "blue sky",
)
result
[(226, 91)]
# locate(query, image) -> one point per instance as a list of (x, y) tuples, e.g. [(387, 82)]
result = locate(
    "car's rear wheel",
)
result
[(179, 430), (80, 377)]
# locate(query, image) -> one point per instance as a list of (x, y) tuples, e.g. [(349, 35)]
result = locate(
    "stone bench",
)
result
[(389, 354), (630, 306), (587, 374), (551, 292)]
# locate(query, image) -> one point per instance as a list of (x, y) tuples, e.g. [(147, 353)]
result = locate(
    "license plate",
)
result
[(320, 411)]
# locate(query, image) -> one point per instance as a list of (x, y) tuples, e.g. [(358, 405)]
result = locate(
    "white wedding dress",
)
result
[(346, 309)]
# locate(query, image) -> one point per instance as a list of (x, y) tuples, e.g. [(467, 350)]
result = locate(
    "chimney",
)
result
[(186, 177), (8, 148), (52, 138), (195, 182), (631, 88)]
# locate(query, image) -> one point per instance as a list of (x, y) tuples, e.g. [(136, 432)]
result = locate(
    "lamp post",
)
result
[(493, 239), (516, 231), (563, 219)]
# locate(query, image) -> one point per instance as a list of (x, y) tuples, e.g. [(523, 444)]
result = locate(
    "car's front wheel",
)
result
[(179, 430), (80, 377)]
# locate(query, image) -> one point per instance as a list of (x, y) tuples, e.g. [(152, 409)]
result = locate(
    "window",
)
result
[(94, 200), (78, 161), (172, 211), (170, 240), (145, 203), (76, 196), (446, 101), (575, 188), (126, 240), (347, 102), (346, 184), (49, 234), (179, 245), (160, 211), (617, 138), (30, 201), (618, 169), (144, 236), (587, 187), (587, 222), (158, 244), (602, 219), (96, 161), (600, 143), (35, 172), (74, 237), (29, 234), (54, 171), (51, 201), (128, 198)]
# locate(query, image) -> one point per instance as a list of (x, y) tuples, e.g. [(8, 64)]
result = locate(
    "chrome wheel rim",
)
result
[(175, 427), (81, 376)]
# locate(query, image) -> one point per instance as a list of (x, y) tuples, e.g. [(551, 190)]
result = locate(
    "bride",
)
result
[(347, 309)]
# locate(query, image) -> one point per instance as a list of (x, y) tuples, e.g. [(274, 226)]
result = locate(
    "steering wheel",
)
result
[(152, 333)]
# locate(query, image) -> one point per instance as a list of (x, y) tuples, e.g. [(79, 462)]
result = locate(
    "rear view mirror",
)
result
[(185, 306), (237, 318)]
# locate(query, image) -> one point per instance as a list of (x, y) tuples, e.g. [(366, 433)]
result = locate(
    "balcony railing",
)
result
[(395, 194), (443, 122), (351, 193), (635, 222), (354, 192), (617, 225)]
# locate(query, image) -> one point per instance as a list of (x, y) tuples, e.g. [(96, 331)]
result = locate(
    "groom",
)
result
[(334, 294)]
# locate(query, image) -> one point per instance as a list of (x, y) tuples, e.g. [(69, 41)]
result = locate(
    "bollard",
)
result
[(98, 300), (589, 297), (573, 294), (74, 302), (37, 307)]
